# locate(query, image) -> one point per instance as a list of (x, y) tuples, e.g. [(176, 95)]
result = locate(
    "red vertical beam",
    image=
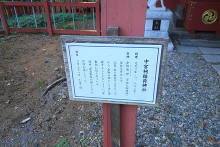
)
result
[(104, 17), (3, 18), (107, 126), (98, 27), (128, 115), (47, 12)]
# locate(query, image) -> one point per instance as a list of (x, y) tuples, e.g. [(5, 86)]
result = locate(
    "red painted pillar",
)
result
[(107, 126), (98, 19), (128, 125), (130, 16), (47, 12), (4, 20)]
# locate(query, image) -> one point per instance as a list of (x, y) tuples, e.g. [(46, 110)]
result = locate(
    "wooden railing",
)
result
[(52, 17)]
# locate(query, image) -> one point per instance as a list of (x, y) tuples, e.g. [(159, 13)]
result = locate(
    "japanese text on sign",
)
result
[(120, 73)]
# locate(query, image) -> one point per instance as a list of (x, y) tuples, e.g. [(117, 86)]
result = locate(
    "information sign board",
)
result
[(114, 73)]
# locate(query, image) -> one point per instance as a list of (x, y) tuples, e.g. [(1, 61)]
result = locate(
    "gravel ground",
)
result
[(188, 114)]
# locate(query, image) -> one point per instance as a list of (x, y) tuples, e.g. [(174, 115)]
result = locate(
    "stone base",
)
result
[(159, 14), (166, 17), (156, 34)]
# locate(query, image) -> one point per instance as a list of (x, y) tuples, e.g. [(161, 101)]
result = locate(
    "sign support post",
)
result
[(125, 72), (107, 125), (119, 122), (111, 113), (128, 117)]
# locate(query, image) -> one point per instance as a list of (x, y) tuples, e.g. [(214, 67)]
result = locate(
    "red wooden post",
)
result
[(111, 15), (3, 18), (47, 12), (107, 126), (98, 26), (104, 17), (128, 115)]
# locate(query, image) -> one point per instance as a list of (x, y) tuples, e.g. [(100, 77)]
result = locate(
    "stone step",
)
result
[(187, 49), (209, 51), (197, 50), (211, 55), (200, 43), (181, 33), (214, 59)]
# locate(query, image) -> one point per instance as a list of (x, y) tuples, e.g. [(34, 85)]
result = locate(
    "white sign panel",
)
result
[(119, 73)]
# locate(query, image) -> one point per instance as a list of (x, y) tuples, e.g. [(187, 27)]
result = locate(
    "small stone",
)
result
[(81, 133), (202, 125), (59, 111), (181, 125), (8, 102), (164, 92), (25, 120), (47, 118), (64, 96), (205, 84), (217, 102), (56, 69), (74, 138), (54, 116)]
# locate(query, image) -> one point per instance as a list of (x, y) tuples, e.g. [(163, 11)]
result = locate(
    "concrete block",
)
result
[(212, 58), (165, 25), (187, 49), (200, 43), (156, 34), (159, 14), (209, 51)]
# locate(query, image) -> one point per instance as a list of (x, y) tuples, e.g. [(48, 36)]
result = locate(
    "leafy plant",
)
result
[(62, 143), (84, 142)]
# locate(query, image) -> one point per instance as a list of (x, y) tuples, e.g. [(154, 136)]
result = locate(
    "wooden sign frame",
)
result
[(116, 40)]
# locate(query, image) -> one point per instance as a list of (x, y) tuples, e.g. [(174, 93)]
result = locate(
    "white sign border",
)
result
[(114, 100), (117, 40)]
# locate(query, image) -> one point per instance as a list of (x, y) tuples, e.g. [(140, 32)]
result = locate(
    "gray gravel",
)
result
[(188, 114)]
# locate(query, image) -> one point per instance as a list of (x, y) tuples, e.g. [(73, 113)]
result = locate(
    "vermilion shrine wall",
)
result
[(129, 15)]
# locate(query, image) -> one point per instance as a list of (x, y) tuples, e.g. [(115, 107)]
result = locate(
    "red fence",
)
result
[(49, 9)]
